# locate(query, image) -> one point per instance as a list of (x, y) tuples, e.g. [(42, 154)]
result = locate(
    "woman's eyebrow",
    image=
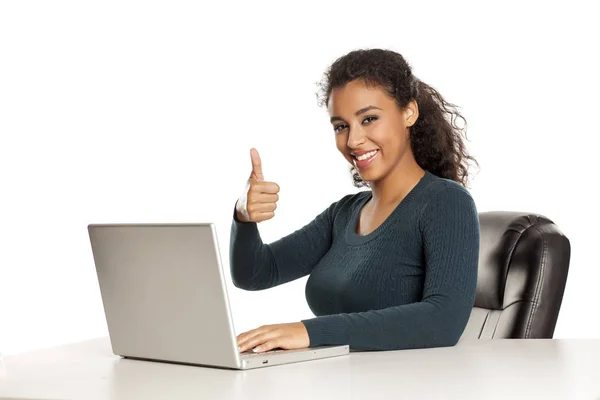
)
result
[(361, 111)]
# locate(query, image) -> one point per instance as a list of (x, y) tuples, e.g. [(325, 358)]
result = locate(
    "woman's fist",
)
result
[(259, 200)]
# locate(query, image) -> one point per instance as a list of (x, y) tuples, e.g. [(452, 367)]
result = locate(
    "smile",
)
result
[(366, 159)]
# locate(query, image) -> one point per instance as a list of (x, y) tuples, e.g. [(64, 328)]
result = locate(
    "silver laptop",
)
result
[(165, 297)]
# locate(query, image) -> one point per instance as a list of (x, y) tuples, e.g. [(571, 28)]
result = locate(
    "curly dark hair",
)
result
[(436, 140)]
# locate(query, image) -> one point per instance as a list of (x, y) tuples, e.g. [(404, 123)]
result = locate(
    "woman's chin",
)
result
[(369, 176)]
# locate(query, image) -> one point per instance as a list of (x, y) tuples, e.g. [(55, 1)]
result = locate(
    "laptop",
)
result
[(165, 298)]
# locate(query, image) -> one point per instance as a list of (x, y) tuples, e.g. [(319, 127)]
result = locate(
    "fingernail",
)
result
[(239, 348), (257, 349)]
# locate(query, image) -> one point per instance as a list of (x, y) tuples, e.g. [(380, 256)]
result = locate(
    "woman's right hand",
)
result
[(259, 200)]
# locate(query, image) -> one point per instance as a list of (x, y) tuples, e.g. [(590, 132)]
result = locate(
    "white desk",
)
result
[(494, 369)]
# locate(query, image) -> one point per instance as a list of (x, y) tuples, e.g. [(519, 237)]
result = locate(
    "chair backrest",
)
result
[(523, 266)]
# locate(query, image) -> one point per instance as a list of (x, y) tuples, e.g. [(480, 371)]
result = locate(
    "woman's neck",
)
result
[(394, 187)]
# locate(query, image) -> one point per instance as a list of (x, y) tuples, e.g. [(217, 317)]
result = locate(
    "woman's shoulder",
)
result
[(442, 187), (444, 197)]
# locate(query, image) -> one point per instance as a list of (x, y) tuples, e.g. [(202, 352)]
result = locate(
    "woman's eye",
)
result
[(340, 127), (337, 128)]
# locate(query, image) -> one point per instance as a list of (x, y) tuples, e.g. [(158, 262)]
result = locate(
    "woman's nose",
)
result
[(356, 137)]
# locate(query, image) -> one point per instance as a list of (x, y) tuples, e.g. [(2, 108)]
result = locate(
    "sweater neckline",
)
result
[(353, 238)]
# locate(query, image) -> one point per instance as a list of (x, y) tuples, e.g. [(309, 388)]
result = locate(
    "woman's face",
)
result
[(370, 130)]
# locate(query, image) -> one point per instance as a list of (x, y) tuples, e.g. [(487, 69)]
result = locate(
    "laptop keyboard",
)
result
[(251, 353), (270, 352)]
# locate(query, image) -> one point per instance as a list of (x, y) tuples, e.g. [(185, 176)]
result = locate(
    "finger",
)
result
[(268, 345), (265, 187), (258, 208), (242, 337), (260, 217), (242, 340), (253, 341), (262, 198), (258, 341), (256, 165)]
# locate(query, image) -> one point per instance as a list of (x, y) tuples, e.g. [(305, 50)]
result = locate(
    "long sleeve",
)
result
[(449, 227), (257, 266)]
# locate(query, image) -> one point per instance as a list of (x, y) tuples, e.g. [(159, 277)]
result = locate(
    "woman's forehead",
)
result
[(356, 95)]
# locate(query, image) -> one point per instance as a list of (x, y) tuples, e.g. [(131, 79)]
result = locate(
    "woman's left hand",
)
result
[(268, 337)]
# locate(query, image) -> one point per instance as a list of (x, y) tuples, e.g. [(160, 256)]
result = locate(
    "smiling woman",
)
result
[(394, 267), (386, 80)]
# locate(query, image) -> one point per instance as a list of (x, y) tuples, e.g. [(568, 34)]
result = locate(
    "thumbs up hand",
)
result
[(259, 200)]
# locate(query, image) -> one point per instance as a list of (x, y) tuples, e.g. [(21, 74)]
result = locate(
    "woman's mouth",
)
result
[(364, 160)]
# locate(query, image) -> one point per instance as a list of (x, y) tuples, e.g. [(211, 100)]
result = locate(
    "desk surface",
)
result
[(483, 369)]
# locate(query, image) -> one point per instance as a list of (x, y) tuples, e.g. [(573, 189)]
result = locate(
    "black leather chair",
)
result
[(523, 266)]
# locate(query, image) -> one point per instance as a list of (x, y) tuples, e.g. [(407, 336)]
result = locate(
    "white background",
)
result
[(145, 112)]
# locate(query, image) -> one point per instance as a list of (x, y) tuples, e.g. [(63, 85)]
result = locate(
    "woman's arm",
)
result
[(450, 228), (256, 265)]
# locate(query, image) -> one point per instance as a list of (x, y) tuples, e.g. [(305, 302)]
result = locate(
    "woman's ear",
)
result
[(412, 113)]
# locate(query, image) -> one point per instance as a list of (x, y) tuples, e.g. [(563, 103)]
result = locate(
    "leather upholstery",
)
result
[(523, 266)]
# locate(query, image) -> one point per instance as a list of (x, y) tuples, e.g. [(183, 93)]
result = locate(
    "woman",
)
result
[(393, 267)]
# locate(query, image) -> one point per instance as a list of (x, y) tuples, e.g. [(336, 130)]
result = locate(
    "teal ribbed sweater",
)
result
[(408, 284)]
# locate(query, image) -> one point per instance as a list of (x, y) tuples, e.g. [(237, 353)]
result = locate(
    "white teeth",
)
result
[(366, 155)]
